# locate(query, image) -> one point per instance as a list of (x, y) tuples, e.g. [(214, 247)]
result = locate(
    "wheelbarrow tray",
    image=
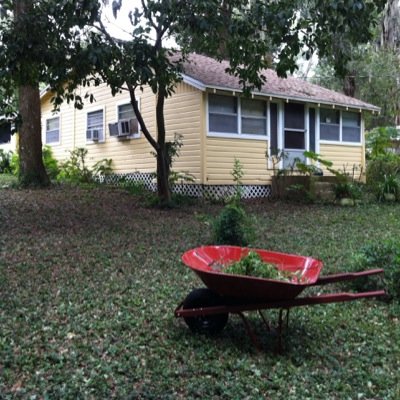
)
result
[(203, 261)]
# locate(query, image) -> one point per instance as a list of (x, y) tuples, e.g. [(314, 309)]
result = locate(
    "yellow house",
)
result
[(217, 125)]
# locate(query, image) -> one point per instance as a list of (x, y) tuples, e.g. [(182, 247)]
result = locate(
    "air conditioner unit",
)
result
[(124, 127), (93, 134), (113, 128)]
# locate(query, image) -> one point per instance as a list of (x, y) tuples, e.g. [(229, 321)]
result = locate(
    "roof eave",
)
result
[(201, 86)]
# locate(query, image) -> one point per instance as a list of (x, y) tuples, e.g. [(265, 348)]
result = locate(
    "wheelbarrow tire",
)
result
[(205, 324)]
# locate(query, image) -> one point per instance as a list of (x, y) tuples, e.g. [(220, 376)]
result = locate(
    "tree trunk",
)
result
[(32, 170), (349, 84), (163, 189), (390, 36)]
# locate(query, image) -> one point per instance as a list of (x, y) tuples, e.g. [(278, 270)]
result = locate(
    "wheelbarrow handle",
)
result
[(346, 276)]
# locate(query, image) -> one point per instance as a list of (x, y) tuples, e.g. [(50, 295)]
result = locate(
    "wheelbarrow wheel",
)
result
[(206, 324)]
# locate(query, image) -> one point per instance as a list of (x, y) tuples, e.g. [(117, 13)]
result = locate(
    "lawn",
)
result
[(90, 279)]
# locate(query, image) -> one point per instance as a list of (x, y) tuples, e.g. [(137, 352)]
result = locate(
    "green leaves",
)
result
[(89, 283)]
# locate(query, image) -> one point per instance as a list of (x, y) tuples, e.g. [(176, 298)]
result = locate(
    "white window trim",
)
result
[(122, 103), (236, 135), (88, 111), (341, 142), (46, 118)]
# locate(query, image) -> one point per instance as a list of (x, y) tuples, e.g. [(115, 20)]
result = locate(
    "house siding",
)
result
[(220, 156), (209, 159), (343, 157), (129, 155)]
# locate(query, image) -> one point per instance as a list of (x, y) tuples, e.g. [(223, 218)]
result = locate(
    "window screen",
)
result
[(125, 111), (53, 130), (273, 107), (294, 116), (294, 140), (222, 114), (95, 123), (254, 117), (329, 124), (351, 123)]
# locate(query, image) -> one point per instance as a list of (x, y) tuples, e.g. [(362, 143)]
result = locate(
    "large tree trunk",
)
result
[(32, 170)]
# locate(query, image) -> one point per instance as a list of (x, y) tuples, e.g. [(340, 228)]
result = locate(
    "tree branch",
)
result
[(139, 116)]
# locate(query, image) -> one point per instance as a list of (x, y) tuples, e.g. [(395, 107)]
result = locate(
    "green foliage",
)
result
[(381, 254), (389, 188), (378, 142), (47, 38), (75, 169), (50, 163), (5, 161), (375, 72), (381, 169), (253, 265), (15, 164), (87, 304), (102, 167), (233, 226)]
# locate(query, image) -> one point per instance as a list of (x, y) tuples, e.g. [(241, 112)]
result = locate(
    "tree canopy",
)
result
[(373, 70)]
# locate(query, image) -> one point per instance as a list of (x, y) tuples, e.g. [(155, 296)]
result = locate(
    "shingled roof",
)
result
[(206, 73)]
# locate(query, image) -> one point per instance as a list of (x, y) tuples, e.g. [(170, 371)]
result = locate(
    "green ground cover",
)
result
[(90, 278)]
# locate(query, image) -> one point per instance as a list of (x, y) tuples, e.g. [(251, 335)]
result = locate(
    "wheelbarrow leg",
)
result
[(250, 331), (281, 321)]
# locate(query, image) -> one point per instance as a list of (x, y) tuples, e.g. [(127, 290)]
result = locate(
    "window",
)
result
[(94, 126), (231, 115), (254, 117), (223, 114), (340, 126), (294, 126), (53, 130), (351, 125), (127, 124), (329, 124)]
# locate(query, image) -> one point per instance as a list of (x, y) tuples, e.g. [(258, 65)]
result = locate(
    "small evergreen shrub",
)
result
[(233, 226), (384, 255)]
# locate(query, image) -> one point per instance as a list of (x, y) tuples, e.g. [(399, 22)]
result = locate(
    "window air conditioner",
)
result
[(93, 134), (124, 127)]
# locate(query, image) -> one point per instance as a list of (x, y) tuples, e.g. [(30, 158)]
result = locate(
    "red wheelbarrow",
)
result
[(206, 310)]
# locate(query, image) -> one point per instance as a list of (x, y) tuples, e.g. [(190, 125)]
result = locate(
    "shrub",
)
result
[(380, 167), (233, 226), (384, 255), (5, 162), (50, 163), (75, 170)]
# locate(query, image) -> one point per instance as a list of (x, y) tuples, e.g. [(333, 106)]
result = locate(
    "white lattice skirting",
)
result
[(190, 189)]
